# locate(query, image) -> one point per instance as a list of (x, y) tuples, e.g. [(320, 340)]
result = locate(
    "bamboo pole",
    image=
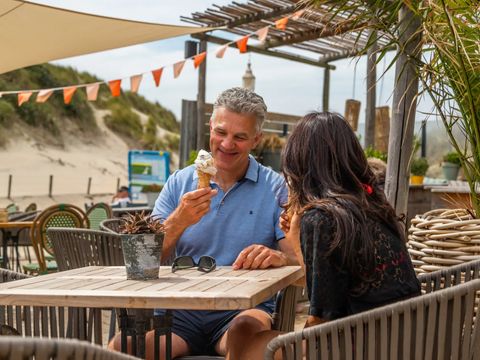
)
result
[(371, 94), (202, 79)]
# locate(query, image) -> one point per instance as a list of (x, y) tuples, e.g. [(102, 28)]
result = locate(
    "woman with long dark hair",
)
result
[(352, 243)]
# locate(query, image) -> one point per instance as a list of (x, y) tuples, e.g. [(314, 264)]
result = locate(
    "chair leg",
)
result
[(113, 321)]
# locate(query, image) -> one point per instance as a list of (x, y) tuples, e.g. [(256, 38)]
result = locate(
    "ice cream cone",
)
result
[(203, 180)]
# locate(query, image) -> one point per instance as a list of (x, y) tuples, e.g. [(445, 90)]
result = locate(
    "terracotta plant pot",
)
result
[(416, 179), (142, 253)]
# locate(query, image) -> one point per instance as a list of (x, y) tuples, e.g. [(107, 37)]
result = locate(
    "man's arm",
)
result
[(193, 206), (262, 257)]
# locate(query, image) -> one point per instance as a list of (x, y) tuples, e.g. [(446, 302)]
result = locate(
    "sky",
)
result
[(287, 87)]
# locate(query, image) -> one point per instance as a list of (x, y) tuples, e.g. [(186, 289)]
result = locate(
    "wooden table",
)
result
[(7, 235), (107, 286)]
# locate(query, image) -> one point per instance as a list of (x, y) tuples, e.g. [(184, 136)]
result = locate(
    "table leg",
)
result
[(5, 238)]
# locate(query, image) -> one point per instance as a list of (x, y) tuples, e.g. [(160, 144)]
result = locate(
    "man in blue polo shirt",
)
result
[(235, 220)]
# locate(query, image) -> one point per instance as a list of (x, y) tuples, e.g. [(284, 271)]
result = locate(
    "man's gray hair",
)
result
[(242, 101)]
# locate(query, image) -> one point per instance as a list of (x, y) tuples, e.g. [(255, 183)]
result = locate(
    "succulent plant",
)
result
[(141, 223)]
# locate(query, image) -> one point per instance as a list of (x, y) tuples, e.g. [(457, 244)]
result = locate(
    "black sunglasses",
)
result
[(205, 263)]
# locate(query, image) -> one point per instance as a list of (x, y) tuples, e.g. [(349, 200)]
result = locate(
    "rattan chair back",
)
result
[(14, 348), (60, 215), (97, 213), (111, 225), (45, 321), (442, 323), (76, 248)]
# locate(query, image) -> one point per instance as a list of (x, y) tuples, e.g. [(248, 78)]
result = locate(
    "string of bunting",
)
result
[(91, 89)]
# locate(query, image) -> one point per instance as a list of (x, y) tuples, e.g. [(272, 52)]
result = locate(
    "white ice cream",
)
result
[(204, 163)]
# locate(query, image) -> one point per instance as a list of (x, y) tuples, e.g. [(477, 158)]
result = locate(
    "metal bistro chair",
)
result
[(41, 321), (442, 323), (14, 348), (98, 213), (60, 215), (77, 248)]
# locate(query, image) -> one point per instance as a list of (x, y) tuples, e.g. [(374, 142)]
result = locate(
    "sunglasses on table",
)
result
[(205, 263)]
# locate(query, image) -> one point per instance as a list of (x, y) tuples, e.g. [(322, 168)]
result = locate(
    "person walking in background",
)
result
[(352, 243), (235, 220)]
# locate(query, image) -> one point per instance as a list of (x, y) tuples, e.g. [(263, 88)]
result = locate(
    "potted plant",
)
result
[(450, 165), (151, 191), (418, 169), (269, 151), (142, 240)]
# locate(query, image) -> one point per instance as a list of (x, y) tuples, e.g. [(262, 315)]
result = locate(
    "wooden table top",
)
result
[(107, 286), (15, 224)]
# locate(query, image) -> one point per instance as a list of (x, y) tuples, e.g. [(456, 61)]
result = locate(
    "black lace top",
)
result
[(332, 290)]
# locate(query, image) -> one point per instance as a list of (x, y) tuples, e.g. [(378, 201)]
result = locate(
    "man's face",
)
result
[(232, 137)]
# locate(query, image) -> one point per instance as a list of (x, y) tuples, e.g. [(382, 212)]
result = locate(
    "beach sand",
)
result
[(31, 161)]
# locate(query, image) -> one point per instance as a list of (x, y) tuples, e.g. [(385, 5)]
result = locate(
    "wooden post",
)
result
[(188, 130), (9, 193), (202, 78), (118, 185), (371, 94), (326, 89), (404, 109), (89, 185), (50, 186)]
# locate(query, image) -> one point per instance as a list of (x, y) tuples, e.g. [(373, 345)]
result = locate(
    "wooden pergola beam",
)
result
[(258, 50), (320, 33), (246, 19)]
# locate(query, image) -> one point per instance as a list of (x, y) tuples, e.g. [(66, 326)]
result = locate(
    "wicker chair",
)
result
[(442, 323), (61, 215), (97, 213), (84, 247), (111, 225), (43, 321), (14, 348)]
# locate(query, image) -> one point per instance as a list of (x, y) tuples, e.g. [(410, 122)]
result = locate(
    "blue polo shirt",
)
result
[(246, 214)]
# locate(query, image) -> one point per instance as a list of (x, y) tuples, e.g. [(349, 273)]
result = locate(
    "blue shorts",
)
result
[(202, 329)]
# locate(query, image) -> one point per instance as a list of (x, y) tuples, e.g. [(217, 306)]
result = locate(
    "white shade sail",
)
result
[(33, 33)]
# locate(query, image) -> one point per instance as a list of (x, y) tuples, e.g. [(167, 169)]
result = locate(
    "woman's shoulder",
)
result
[(318, 216)]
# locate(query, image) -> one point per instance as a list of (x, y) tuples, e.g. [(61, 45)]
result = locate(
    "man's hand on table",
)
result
[(259, 257)]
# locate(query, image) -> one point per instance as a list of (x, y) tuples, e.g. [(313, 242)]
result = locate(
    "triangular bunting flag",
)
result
[(198, 59), (23, 97), (177, 68), (92, 91), (298, 14), (221, 51), (43, 95), (135, 81), (242, 44), (262, 33), (68, 94), (157, 74), (281, 24), (114, 86)]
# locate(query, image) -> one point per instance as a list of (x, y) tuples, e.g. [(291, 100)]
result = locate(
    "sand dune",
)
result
[(104, 159)]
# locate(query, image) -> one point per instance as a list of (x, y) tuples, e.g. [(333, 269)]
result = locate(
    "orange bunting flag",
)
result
[(282, 23), (68, 94), (92, 91), (157, 74), (262, 33), (242, 44), (114, 86), (298, 14), (198, 59), (221, 51), (43, 95), (135, 81), (23, 97), (177, 68)]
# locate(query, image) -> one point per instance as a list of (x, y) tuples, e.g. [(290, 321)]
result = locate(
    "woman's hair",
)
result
[(326, 168)]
